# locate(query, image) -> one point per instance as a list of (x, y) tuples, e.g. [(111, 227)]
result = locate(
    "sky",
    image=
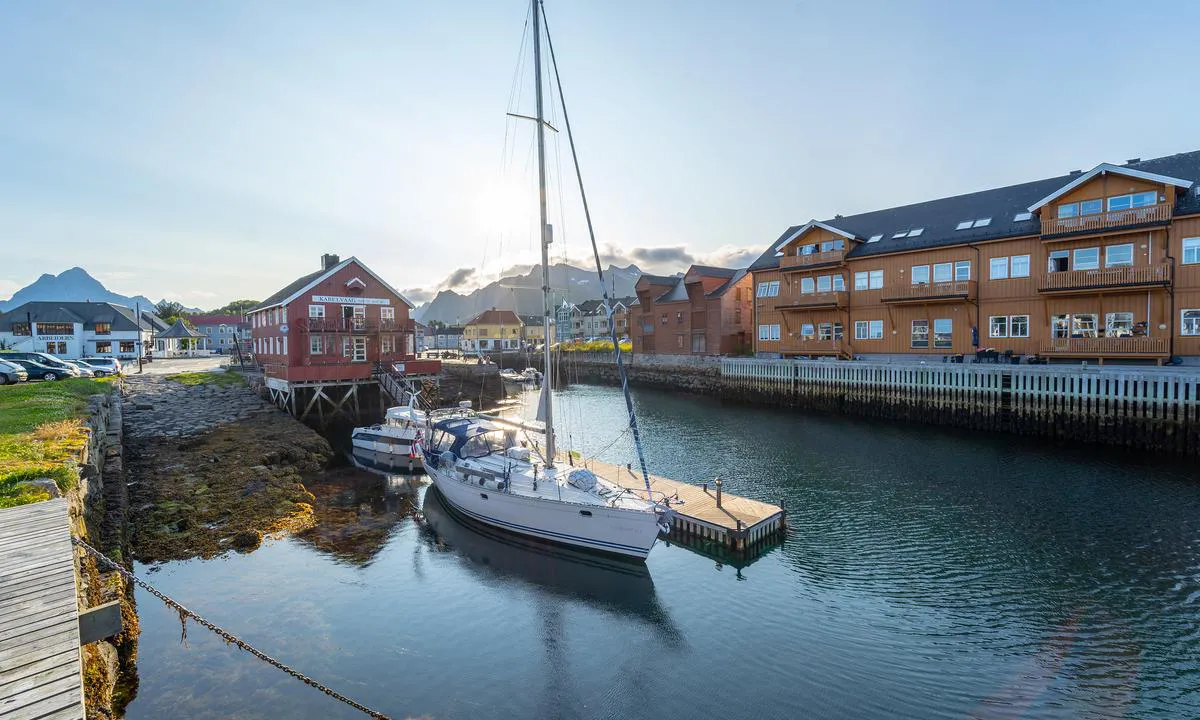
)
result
[(211, 151)]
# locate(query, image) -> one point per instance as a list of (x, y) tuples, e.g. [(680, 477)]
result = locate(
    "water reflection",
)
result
[(607, 584), (356, 512)]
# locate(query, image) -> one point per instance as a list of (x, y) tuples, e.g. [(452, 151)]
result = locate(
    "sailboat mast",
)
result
[(541, 156)]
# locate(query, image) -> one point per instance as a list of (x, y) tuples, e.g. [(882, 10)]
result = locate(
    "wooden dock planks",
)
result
[(40, 674)]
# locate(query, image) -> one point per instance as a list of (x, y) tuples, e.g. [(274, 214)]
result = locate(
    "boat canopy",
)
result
[(465, 428)]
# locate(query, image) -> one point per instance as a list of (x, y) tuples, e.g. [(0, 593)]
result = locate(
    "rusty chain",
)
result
[(227, 636)]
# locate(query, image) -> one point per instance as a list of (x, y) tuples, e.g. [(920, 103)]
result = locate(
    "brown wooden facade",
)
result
[(1107, 285), (707, 311)]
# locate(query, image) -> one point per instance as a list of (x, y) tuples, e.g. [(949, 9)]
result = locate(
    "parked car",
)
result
[(104, 365), (84, 369), (38, 371), (42, 359), (12, 373)]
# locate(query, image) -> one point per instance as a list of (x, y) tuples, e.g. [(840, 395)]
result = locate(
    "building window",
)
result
[(920, 275), (1086, 207), (807, 331), (1134, 200), (103, 328), (360, 350), (868, 330), (345, 347), (839, 283), (876, 279), (1083, 325), (678, 318), (824, 284), (962, 270), (386, 344), (1086, 258), (768, 332), (943, 272), (998, 268), (920, 333), (699, 343), (1058, 261), (998, 326), (1189, 322), (832, 245), (387, 313), (1118, 255), (126, 346), (664, 318), (1020, 266), (829, 331), (55, 328), (861, 281), (20, 328), (1191, 255), (103, 347), (807, 285), (943, 332), (1118, 324), (768, 289), (315, 346)]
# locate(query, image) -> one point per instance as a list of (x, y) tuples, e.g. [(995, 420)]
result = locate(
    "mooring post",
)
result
[(718, 484)]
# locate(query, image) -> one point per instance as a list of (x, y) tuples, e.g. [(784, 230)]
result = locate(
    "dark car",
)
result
[(12, 373), (63, 366), (38, 371)]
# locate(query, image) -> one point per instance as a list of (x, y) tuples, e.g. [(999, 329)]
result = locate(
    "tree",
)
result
[(237, 307), (170, 311)]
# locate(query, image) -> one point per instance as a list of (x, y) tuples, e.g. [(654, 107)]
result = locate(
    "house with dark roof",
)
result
[(333, 325), (79, 329), (705, 311), (493, 331), (534, 329), (1098, 265)]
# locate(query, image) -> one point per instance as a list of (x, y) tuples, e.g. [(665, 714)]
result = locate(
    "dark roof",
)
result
[(939, 218), (738, 275), (496, 317), (710, 271), (589, 307), (89, 313), (178, 330), (659, 279), (290, 289), (677, 293), (151, 321), (534, 319)]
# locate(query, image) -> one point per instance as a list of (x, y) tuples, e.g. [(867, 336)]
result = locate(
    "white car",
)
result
[(84, 369), (104, 366)]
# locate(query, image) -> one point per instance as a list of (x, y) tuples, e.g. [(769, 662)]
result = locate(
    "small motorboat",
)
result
[(528, 376), (396, 442)]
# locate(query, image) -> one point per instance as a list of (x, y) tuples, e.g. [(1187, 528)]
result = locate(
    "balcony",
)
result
[(1128, 346), (1070, 281), (932, 293), (800, 262), (348, 325), (1154, 214), (813, 301)]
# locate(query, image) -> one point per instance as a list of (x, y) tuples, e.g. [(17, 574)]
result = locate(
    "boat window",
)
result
[(484, 445)]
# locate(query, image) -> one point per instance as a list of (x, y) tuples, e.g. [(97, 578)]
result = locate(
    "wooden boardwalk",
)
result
[(40, 673), (737, 522)]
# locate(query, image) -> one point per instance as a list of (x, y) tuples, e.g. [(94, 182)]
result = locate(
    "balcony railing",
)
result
[(1103, 221), (820, 258), (1098, 346), (809, 301), (931, 292), (1132, 276)]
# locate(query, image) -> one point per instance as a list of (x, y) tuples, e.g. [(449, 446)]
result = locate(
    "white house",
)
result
[(78, 329)]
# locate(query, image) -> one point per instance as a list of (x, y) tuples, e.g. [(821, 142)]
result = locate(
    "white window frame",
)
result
[(1189, 322), (807, 286), (875, 279), (943, 273), (1110, 323), (912, 338), (764, 333), (387, 312), (1013, 272), (315, 346), (998, 268), (1108, 263), (862, 280), (1012, 326), (1191, 251), (839, 283), (360, 350), (998, 326), (1075, 258), (824, 283), (808, 331), (948, 342), (924, 273), (962, 265)]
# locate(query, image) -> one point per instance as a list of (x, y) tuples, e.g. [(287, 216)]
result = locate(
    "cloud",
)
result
[(669, 260), (677, 255), (460, 278), (419, 296), (201, 294)]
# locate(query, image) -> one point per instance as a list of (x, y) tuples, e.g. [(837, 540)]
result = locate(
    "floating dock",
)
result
[(40, 674), (704, 511)]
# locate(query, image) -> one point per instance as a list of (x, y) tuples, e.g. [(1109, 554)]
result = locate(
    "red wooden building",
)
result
[(340, 325)]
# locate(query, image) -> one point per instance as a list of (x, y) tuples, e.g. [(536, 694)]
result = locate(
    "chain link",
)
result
[(227, 636)]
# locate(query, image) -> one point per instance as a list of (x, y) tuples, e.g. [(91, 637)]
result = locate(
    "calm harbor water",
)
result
[(927, 574)]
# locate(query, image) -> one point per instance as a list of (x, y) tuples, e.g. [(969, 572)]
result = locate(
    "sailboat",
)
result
[(485, 468)]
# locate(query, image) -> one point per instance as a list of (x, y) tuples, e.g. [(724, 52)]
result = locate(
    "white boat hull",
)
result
[(630, 533)]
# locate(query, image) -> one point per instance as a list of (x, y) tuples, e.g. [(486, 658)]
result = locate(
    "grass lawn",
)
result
[(41, 434), (207, 378)]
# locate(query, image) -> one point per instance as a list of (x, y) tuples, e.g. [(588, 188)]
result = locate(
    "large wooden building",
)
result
[(705, 311), (1095, 265)]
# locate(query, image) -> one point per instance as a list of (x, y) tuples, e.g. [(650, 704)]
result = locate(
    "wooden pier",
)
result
[(704, 511), (40, 674)]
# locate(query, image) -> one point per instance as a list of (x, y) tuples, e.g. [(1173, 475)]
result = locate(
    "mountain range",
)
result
[(523, 293), (71, 285)]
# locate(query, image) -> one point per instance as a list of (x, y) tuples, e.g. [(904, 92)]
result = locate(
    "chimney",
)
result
[(1131, 161), (1075, 172), (328, 261)]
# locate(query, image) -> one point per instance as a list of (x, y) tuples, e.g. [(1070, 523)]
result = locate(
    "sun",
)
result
[(503, 207)]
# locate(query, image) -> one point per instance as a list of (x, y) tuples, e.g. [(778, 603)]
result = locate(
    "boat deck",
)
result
[(732, 520), (39, 616)]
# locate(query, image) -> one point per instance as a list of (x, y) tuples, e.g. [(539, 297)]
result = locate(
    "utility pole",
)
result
[(138, 322)]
